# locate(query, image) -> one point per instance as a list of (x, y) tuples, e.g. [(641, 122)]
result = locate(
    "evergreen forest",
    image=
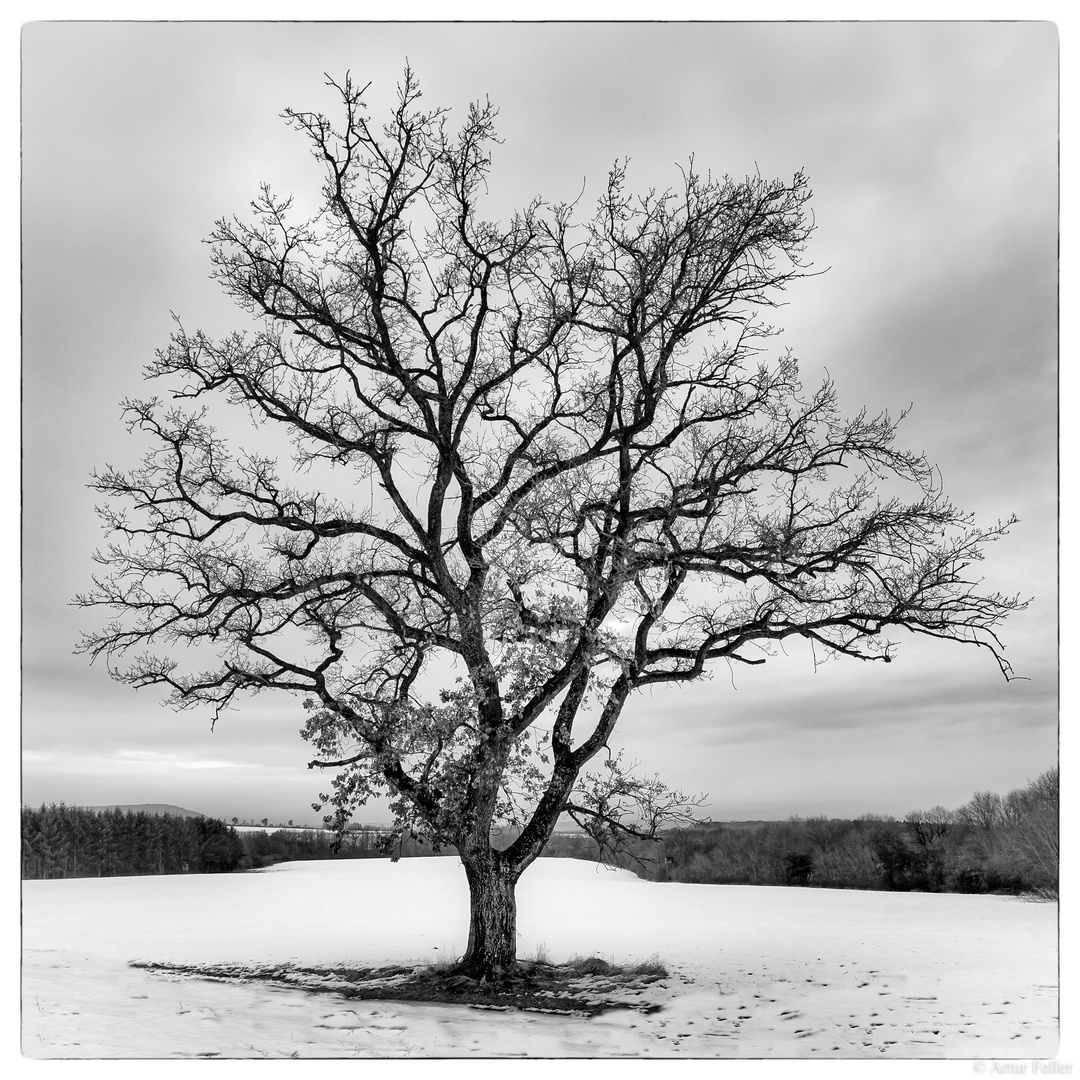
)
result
[(60, 841)]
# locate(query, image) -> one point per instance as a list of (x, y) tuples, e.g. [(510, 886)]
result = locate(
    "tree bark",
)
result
[(492, 950)]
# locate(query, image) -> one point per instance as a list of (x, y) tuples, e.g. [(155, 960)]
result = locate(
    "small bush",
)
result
[(541, 954), (652, 966), (590, 965), (798, 868), (595, 965)]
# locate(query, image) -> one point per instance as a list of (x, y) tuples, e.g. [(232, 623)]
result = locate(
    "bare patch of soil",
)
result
[(578, 988)]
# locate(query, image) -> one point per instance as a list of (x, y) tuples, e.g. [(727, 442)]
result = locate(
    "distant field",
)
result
[(280, 828)]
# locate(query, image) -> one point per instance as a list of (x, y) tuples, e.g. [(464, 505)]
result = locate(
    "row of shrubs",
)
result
[(60, 841), (294, 845), (992, 844)]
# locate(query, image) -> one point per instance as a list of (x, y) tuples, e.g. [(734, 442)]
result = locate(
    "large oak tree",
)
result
[(536, 466)]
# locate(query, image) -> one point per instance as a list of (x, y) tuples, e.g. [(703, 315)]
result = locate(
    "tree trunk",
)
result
[(492, 950)]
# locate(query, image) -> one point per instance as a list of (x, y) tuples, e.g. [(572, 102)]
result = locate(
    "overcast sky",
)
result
[(932, 153)]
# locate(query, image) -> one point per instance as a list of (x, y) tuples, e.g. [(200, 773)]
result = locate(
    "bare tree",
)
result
[(929, 827), (579, 475), (1031, 840), (984, 812)]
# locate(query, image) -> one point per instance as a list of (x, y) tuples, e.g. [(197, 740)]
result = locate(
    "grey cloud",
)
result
[(932, 151)]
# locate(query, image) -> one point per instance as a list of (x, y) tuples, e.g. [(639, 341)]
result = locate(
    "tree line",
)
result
[(60, 841), (994, 843)]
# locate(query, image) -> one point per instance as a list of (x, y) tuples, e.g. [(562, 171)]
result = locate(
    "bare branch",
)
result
[(542, 463)]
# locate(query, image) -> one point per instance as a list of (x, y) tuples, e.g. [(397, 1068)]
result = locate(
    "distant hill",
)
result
[(149, 808)]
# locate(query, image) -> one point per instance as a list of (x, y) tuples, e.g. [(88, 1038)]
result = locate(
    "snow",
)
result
[(755, 972)]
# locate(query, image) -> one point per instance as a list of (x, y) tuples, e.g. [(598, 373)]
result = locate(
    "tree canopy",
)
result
[(576, 467)]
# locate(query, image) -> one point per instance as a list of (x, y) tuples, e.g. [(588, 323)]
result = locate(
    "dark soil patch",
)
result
[(580, 988)]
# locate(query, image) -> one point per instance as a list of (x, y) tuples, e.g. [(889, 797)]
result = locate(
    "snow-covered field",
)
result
[(755, 972)]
